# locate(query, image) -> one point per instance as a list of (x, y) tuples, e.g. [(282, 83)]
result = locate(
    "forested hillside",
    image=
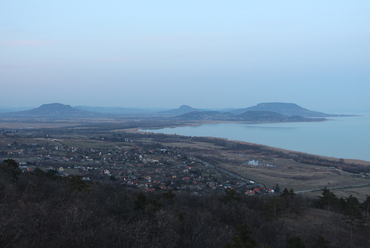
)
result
[(40, 209)]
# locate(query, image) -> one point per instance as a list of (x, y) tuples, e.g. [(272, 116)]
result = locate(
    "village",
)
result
[(146, 167)]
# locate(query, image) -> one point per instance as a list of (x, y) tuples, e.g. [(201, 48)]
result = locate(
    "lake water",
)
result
[(341, 137)]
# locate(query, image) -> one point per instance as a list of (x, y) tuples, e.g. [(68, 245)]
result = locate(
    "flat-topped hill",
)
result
[(53, 111), (181, 110), (287, 109)]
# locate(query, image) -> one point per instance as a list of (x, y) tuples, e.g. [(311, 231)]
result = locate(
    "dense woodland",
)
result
[(40, 209)]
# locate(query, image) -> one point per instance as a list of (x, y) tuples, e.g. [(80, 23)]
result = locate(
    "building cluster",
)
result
[(146, 167)]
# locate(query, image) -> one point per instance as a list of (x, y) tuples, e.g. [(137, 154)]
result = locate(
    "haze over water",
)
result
[(342, 137)]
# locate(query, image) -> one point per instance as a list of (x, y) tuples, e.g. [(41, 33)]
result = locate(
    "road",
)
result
[(223, 171)]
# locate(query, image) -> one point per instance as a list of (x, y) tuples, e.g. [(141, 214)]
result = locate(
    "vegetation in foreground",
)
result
[(39, 209)]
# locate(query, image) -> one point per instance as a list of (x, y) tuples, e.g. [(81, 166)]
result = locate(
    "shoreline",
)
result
[(335, 159), (206, 122), (25, 125)]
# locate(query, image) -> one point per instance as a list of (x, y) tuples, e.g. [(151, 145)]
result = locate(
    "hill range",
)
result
[(285, 109), (271, 112), (250, 116)]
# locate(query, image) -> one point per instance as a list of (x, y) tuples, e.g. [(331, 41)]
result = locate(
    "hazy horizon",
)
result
[(327, 111), (205, 54)]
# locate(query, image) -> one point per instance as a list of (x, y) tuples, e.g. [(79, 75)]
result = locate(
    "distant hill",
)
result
[(53, 111), (181, 110), (250, 116), (261, 112), (270, 116), (206, 115), (287, 109)]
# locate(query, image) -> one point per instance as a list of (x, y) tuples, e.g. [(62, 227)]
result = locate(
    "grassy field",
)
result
[(25, 125), (285, 172), (87, 144)]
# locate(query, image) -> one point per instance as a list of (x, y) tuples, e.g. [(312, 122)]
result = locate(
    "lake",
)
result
[(341, 137)]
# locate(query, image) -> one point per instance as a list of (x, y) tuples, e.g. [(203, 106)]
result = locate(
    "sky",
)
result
[(202, 53)]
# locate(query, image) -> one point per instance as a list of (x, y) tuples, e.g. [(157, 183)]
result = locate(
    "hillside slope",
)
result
[(53, 111), (287, 109)]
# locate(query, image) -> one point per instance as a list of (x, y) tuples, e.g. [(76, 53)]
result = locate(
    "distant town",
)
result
[(146, 167)]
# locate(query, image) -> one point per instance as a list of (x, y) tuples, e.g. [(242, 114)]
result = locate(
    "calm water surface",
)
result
[(342, 137)]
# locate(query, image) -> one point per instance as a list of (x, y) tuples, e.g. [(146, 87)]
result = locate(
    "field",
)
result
[(285, 172)]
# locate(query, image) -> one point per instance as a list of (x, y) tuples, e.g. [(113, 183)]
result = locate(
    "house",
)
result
[(256, 190)]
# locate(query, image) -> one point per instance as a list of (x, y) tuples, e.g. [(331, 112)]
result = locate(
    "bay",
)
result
[(340, 137)]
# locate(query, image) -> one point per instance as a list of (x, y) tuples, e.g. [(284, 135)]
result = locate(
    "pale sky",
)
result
[(206, 54)]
